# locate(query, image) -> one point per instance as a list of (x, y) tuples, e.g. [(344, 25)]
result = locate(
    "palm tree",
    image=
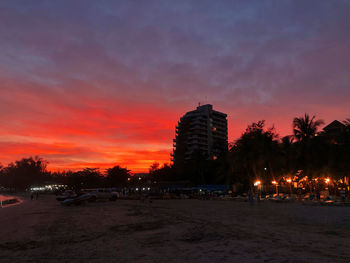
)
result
[(305, 128)]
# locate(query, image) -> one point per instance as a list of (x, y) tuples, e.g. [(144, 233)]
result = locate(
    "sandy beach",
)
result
[(173, 231)]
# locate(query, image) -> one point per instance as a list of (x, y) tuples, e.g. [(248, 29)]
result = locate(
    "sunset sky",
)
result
[(100, 83)]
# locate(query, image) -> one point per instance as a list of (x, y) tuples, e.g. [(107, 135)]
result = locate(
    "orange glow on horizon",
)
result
[(98, 132), (82, 90)]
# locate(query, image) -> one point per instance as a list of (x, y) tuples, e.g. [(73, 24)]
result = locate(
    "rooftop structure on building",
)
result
[(334, 132), (202, 131), (335, 127)]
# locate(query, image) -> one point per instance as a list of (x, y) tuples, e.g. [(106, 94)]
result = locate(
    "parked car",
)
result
[(101, 194), (65, 195), (78, 200)]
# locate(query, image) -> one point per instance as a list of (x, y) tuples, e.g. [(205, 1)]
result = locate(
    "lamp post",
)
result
[(257, 183), (327, 180), (275, 184), (289, 180)]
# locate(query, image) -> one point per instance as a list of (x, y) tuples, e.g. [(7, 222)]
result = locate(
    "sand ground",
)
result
[(173, 231)]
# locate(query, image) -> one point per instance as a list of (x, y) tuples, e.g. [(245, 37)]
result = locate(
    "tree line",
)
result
[(32, 171), (259, 153)]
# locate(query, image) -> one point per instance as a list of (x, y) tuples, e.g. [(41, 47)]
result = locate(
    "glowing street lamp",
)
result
[(276, 184), (289, 180), (257, 183), (327, 180)]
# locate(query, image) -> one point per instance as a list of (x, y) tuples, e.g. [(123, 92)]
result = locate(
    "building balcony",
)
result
[(195, 127), (193, 136)]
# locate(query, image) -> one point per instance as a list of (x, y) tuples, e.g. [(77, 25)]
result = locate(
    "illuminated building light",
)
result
[(193, 132)]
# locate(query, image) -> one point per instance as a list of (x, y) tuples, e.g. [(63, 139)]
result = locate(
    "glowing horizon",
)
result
[(104, 84)]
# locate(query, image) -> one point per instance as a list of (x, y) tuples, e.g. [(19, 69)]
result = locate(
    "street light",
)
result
[(289, 180), (257, 183), (276, 184)]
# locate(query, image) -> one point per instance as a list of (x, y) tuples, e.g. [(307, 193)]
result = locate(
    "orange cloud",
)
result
[(109, 89)]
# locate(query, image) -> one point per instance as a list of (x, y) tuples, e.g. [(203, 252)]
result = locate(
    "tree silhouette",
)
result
[(154, 167), (254, 154), (158, 174), (305, 128), (86, 178), (117, 176), (24, 173)]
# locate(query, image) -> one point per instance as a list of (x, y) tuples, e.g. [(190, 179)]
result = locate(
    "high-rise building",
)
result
[(201, 131)]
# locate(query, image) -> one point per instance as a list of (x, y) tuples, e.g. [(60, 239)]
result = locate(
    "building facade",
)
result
[(202, 131), (335, 132)]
